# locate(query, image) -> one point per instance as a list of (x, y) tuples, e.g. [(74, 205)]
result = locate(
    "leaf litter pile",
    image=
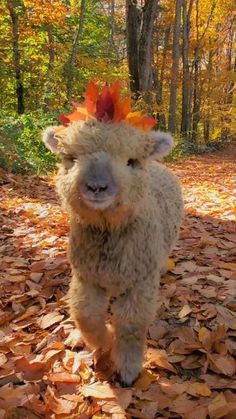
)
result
[(190, 368)]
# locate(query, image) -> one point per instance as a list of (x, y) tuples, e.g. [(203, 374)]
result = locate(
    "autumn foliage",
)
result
[(107, 107), (49, 51)]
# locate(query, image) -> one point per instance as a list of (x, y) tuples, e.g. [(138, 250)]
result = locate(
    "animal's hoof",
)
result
[(128, 377)]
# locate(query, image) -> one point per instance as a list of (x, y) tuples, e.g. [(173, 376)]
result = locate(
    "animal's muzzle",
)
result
[(98, 185)]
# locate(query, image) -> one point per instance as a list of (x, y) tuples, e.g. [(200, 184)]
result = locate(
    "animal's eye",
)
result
[(133, 163), (69, 159)]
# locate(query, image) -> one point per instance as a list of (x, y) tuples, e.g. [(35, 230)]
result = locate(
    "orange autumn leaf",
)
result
[(98, 390), (145, 123), (115, 90), (31, 371), (122, 109), (107, 106), (79, 114), (199, 389), (63, 377), (91, 96)]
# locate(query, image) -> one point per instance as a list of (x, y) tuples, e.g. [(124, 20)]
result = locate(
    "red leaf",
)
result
[(105, 106)]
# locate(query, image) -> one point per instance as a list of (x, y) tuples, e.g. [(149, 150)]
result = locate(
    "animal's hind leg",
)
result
[(88, 309)]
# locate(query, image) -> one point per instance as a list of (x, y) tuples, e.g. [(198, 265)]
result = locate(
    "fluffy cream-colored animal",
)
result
[(125, 214)]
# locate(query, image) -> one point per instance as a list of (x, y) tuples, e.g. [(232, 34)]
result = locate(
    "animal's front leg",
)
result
[(131, 316), (88, 308)]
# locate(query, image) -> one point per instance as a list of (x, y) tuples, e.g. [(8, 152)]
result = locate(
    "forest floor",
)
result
[(190, 369)]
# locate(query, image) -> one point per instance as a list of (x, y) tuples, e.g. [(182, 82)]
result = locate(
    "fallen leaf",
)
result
[(199, 389), (159, 358), (170, 264), (145, 380), (98, 391), (186, 309), (63, 377), (31, 371), (224, 364), (50, 319)]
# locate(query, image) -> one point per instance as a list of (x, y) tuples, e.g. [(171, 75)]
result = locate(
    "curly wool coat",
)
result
[(118, 251)]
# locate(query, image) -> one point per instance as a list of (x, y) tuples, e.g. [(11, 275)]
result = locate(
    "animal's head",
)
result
[(103, 175)]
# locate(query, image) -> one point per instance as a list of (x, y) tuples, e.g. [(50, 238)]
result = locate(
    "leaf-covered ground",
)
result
[(190, 369)]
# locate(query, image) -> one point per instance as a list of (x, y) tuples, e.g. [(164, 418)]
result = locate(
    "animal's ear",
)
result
[(162, 143), (50, 138)]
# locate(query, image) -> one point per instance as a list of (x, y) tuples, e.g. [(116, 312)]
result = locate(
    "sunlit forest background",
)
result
[(176, 59)]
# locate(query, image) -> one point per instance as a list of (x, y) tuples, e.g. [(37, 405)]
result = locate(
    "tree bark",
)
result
[(69, 66), (196, 115), (133, 22), (160, 79), (16, 57), (139, 27), (145, 43), (185, 120), (207, 121), (175, 69), (111, 5)]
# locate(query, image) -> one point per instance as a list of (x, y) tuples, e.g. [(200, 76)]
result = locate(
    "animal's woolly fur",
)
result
[(118, 253)]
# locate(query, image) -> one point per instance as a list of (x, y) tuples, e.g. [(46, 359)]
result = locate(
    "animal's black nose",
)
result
[(96, 187)]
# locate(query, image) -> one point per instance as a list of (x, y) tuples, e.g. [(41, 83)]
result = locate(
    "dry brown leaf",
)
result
[(60, 406), (145, 380), (216, 382), (50, 319), (199, 412), (224, 364), (159, 358), (185, 310), (3, 359), (98, 390), (199, 389), (63, 377), (31, 371), (173, 388)]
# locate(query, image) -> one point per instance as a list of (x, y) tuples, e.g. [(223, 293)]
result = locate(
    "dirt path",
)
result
[(190, 370)]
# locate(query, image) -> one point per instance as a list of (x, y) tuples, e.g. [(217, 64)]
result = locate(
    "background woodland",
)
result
[(177, 59)]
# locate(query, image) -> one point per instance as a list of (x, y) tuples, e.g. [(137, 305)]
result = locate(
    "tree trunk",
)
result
[(175, 68), (69, 66), (16, 57), (227, 120), (111, 42), (196, 97), (185, 121), (145, 43), (139, 26), (207, 121), (133, 21), (160, 79), (196, 94), (196, 115)]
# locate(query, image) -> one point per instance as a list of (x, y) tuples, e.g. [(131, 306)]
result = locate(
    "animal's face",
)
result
[(103, 172)]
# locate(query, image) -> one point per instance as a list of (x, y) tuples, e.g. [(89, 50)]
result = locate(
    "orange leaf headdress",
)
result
[(107, 106)]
